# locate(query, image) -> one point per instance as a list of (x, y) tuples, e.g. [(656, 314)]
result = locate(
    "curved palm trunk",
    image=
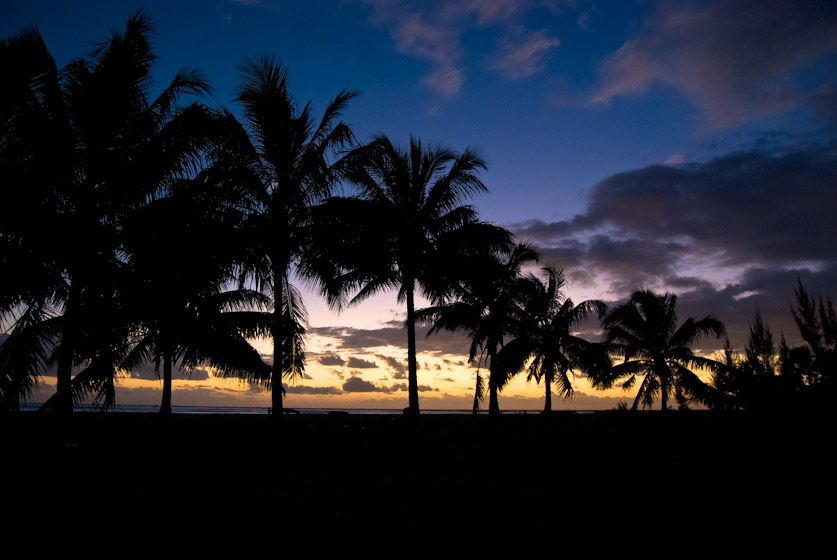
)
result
[(547, 406), (493, 403), (412, 367), (478, 394), (165, 404)]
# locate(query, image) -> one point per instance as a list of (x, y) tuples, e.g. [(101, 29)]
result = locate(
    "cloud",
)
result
[(433, 42), (490, 12), (393, 334), (358, 385), (309, 390), (739, 208), (148, 371), (433, 32), (330, 360), (728, 235), (736, 61), (421, 388), (397, 367), (360, 363), (520, 59)]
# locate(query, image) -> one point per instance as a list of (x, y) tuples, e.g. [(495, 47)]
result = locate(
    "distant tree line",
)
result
[(770, 376), (136, 229)]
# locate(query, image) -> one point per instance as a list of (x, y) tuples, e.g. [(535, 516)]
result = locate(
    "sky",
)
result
[(688, 147)]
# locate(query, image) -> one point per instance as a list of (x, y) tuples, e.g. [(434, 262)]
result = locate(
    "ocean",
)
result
[(265, 410)]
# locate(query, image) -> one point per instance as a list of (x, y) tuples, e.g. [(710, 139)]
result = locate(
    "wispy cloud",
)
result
[(737, 61), (433, 31), (520, 59)]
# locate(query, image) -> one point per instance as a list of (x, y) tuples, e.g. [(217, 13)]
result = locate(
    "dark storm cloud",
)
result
[(308, 390), (748, 205), (736, 60), (739, 208), (360, 363), (768, 215)]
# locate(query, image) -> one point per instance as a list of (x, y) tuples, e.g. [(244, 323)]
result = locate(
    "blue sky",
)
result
[(682, 146)]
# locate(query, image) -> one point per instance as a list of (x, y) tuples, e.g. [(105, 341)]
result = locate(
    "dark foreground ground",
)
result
[(614, 484)]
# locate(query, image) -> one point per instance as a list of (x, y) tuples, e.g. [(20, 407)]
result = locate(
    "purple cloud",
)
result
[(520, 59), (736, 60)]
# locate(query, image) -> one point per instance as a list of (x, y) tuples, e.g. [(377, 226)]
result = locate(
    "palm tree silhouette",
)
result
[(184, 303), (281, 165), (407, 229), (90, 148), (486, 304), (545, 339), (644, 332)]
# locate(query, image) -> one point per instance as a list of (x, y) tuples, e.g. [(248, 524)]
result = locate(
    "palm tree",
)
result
[(407, 228), (546, 340), (91, 148), (282, 166), (183, 302), (486, 305), (644, 332), (30, 281)]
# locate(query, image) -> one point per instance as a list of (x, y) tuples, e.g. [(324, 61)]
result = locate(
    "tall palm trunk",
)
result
[(165, 404), (662, 375), (547, 381), (276, 375), (664, 391), (64, 397), (493, 403), (412, 366)]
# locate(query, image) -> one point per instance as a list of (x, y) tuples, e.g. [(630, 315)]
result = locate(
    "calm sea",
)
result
[(264, 410)]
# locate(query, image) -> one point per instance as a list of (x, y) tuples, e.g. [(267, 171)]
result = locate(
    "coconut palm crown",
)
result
[(546, 344), (283, 162), (82, 149), (408, 227), (486, 304), (644, 332)]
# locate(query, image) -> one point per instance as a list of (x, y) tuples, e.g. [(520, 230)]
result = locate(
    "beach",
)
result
[(646, 484)]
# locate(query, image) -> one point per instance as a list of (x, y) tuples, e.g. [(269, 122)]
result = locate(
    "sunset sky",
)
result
[(688, 147)]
